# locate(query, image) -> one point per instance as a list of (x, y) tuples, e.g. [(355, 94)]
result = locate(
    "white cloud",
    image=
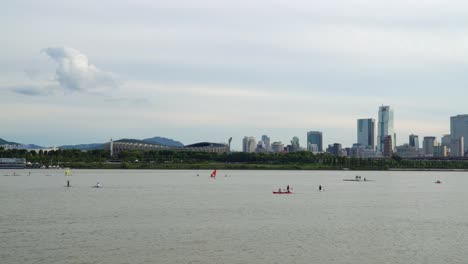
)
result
[(75, 73)]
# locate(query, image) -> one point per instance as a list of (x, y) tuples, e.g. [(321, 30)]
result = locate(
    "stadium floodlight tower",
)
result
[(229, 144)]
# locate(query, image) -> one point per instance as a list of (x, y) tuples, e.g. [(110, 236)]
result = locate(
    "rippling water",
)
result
[(177, 217)]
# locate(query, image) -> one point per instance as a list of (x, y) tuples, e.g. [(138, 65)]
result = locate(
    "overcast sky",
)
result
[(85, 71)]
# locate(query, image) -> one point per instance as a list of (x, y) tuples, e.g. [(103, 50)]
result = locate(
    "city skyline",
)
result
[(73, 72)]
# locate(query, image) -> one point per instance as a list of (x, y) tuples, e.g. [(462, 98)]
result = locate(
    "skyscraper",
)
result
[(414, 141), (366, 133), (248, 144), (459, 128), (266, 141), (315, 137), (385, 127)]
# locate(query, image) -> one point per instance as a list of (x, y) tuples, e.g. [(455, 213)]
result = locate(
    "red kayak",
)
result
[(282, 192)]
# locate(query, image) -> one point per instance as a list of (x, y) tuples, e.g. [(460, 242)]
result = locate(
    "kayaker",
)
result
[(98, 185), (287, 188), (279, 190), (320, 187), (68, 183)]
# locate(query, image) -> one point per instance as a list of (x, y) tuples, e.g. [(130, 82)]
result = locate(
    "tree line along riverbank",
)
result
[(168, 159)]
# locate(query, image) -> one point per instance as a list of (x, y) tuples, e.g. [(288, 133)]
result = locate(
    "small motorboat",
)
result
[(438, 181)]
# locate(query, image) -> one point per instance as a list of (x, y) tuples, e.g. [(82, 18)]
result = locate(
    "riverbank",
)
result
[(237, 166)]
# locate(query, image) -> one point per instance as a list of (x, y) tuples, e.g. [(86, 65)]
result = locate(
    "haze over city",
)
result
[(86, 71)]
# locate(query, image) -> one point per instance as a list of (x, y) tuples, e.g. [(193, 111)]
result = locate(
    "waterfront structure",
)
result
[(385, 127), (414, 141), (249, 144), (266, 141), (12, 163), (456, 147), (388, 146), (315, 137), (277, 147), (428, 145), (459, 128), (366, 133)]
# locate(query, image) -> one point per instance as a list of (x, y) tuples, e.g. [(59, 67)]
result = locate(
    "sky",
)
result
[(86, 71)]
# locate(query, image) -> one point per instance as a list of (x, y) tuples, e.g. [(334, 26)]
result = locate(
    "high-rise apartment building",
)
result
[(266, 141), (366, 133), (388, 146), (428, 145), (459, 128), (414, 141), (249, 144), (315, 137), (385, 127)]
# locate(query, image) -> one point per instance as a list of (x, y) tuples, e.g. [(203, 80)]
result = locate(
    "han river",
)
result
[(175, 216)]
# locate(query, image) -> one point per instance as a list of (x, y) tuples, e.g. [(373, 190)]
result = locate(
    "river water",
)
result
[(143, 216)]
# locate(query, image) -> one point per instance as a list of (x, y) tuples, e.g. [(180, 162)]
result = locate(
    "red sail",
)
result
[(213, 174)]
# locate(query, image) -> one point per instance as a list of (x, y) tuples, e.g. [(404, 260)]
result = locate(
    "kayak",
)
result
[(282, 192)]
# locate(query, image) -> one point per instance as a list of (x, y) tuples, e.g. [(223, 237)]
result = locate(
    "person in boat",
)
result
[(364, 179), (68, 183), (320, 187), (98, 185), (279, 190), (287, 188)]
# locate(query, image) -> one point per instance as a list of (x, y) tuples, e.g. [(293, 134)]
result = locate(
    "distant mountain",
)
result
[(4, 142), (90, 146), (163, 141), (30, 146)]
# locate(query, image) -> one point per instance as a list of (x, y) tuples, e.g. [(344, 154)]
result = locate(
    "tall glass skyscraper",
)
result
[(366, 133), (315, 137), (459, 128), (385, 127)]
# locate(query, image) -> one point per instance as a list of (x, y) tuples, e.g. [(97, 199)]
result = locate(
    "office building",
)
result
[(459, 128), (428, 145), (440, 151), (385, 127), (414, 141), (366, 133), (315, 137)]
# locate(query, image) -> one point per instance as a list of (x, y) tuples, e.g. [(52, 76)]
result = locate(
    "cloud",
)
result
[(77, 74), (31, 90)]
